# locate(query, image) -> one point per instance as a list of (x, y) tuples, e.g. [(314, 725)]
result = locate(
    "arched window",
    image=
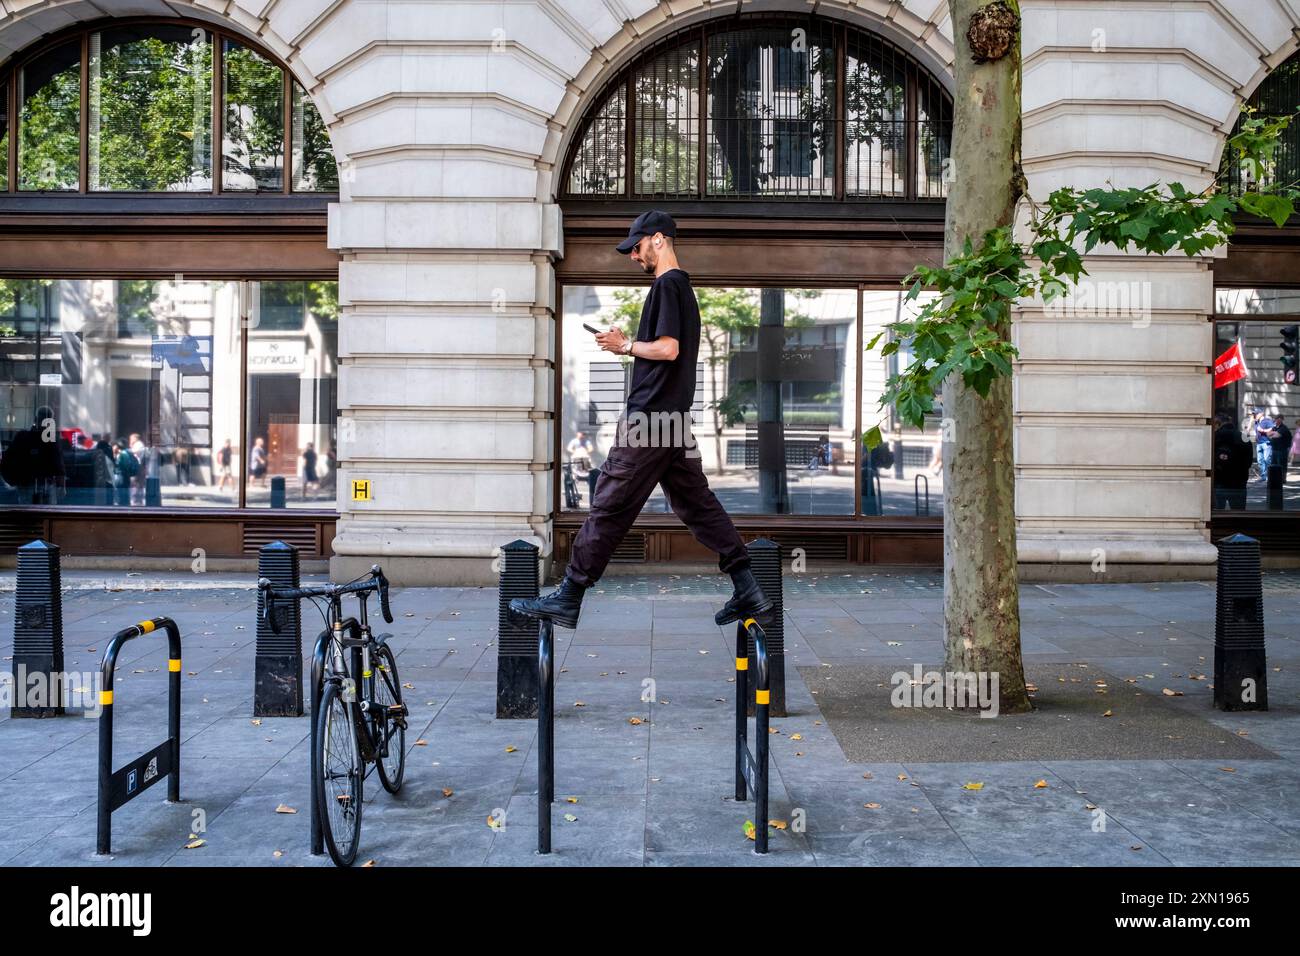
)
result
[(171, 107), (775, 108), (169, 311), (1277, 96)]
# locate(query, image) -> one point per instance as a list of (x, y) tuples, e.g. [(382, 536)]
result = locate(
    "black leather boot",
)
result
[(747, 601), (561, 606)]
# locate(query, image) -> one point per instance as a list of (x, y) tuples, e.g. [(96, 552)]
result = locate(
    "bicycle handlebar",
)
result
[(376, 583)]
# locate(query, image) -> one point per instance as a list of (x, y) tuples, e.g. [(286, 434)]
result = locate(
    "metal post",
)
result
[(38, 630), (742, 697), (104, 807), (762, 705), (517, 642), (1240, 665), (277, 491), (765, 562), (545, 736), (317, 689), (277, 664)]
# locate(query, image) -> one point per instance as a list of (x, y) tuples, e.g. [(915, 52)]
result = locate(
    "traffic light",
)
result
[(1290, 346)]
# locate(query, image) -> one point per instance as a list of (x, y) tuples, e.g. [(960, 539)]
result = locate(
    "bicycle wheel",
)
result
[(388, 693), (338, 784)]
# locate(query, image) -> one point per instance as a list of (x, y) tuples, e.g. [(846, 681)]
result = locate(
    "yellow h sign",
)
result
[(361, 489)]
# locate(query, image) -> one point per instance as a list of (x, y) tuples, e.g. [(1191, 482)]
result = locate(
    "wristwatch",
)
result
[(628, 349)]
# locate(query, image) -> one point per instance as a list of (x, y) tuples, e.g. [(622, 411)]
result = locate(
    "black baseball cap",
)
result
[(647, 224)]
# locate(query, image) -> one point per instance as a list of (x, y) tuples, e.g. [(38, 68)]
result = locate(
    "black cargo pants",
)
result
[(627, 478)]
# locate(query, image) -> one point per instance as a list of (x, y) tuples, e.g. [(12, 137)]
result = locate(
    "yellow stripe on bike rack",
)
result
[(145, 626), (173, 664), (742, 663), (105, 698), (750, 623), (762, 696)]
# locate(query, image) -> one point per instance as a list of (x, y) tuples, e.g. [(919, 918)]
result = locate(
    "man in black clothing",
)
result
[(654, 444), (33, 462), (1279, 439), (1233, 456)]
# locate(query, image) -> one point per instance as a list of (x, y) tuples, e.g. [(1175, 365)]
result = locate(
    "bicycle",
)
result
[(359, 717)]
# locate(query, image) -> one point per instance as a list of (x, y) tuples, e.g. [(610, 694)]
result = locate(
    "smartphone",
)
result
[(593, 331)]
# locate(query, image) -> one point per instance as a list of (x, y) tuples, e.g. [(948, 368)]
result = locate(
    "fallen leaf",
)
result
[(777, 824), (284, 809), (277, 854), (796, 736), (367, 864), (750, 830), (511, 749), (570, 799), (1041, 785), (1172, 693), (579, 703), (871, 806), (1228, 769), (570, 818), (256, 723), (422, 742), (447, 791), (1108, 714), (635, 721), (195, 844), (494, 823), (973, 786)]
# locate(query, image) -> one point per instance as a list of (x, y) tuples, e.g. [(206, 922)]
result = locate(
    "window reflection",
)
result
[(1254, 427), (773, 412), (150, 109), (904, 475), (252, 145), (126, 392), (49, 131), (314, 168)]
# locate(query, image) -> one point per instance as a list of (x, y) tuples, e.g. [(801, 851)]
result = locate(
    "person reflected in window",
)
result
[(105, 472), (225, 465), (309, 479), (33, 463), (873, 461), (1260, 424), (141, 452), (1233, 456), (126, 465), (1279, 440), (257, 462)]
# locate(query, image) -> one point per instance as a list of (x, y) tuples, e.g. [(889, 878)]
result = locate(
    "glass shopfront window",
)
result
[(1256, 402), (126, 392), (292, 394), (774, 418), (904, 475)]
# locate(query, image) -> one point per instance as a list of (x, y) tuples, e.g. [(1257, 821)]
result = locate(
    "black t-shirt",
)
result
[(670, 309)]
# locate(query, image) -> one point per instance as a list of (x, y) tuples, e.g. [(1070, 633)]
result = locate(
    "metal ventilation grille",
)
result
[(17, 531), (819, 547), (301, 536), (517, 637), (632, 548)]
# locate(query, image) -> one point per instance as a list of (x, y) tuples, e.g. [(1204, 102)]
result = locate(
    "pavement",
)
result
[(644, 735)]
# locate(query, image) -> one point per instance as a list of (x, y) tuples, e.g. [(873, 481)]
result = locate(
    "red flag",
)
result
[(1229, 366)]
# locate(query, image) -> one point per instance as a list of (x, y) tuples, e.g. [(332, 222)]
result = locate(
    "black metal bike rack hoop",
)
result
[(545, 733), (751, 768), (119, 787)]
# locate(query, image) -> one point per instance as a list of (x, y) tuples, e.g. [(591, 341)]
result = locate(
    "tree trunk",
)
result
[(981, 595)]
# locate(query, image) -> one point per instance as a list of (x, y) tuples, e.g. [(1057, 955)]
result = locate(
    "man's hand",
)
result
[(612, 341)]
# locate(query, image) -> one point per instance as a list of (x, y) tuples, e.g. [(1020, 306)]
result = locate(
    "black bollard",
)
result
[(153, 491), (1240, 668), (765, 562), (517, 640), (277, 493), (277, 665), (38, 633)]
